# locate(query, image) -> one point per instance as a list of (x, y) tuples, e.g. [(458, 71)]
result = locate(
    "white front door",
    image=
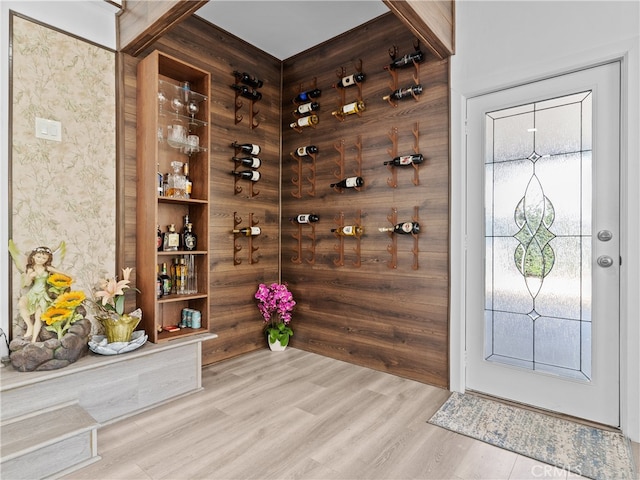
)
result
[(542, 321)]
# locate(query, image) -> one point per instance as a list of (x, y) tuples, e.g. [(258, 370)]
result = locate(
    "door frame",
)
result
[(627, 52)]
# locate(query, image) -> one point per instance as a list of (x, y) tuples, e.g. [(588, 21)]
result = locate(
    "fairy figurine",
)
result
[(35, 298)]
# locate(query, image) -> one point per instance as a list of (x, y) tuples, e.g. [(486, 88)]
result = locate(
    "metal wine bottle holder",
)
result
[(393, 247), (341, 73), (393, 85), (299, 249), (393, 153), (237, 220), (239, 103), (314, 85), (237, 189), (340, 161), (339, 247), (298, 170)]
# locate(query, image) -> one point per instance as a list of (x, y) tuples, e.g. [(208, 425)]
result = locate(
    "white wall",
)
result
[(92, 20), (506, 43)]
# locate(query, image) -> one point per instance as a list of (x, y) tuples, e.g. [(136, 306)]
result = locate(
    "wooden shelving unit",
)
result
[(161, 72)]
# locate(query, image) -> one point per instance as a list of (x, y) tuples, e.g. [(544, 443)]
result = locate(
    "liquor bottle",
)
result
[(404, 93), (251, 162), (305, 151), (305, 218), (349, 182), (247, 231), (349, 231), (252, 175), (349, 109), (159, 289), (352, 79), (160, 181), (180, 277), (306, 108), (247, 92), (176, 183), (188, 184), (404, 228), (189, 239), (306, 96), (248, 79), (406, 160), (249, 148), (159, 240), (166, 280), (173, 273), (407, 60), (170, 239), (305, 121), (185, 222)]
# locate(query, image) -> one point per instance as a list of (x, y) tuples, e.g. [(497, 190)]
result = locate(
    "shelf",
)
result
[(186, 201), (181, 298)]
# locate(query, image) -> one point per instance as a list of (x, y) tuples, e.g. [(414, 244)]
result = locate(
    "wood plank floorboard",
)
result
[(298, 415)]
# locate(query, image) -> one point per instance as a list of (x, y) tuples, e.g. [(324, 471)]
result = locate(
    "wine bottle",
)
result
[(251, 162), (159, 240), (406, 160), (305, 218), (349, 182), (306, 108), (248, 79), (159, 289), (160, 181), (305, 121), (349, 109), (170, 239), (189, 238), (350, 80), (166, 280), (305, 151), (349, 231), (407, 60), (404, 228), (252, 175), (188, 186), (249, 148), (247, 92), (247, 231), (185, 222), (404, 92), (306, 96)]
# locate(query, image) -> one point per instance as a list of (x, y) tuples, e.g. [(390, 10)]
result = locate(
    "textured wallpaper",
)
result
[(63, 191)]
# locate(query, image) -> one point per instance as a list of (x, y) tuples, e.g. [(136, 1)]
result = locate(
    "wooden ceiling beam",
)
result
[(142, 22), (431, 21)]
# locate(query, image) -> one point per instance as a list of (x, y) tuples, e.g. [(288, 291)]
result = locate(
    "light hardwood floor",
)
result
[(294, 414)]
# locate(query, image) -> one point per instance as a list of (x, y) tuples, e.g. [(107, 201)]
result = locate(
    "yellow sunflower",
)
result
[(70, 300), (59, 280), (55, 314)]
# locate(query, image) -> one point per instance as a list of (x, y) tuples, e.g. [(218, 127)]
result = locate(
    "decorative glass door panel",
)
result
[(542, 260), (538, 240)]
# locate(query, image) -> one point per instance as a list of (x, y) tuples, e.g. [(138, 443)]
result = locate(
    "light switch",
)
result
[(48, 129)]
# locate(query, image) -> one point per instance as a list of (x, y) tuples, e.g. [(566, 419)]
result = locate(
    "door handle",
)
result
[(605, 235), (605, 261)]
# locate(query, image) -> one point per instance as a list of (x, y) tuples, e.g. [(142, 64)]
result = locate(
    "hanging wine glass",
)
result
[(162, 100), (192, 109)]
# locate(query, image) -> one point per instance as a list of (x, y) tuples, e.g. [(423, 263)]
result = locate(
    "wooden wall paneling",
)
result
[(395, 320), (233, 312)]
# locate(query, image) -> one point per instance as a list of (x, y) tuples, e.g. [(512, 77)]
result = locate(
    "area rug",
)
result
[(581, 449)]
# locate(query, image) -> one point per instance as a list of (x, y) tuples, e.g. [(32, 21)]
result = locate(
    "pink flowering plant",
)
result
[(276, 303), (110, 299)]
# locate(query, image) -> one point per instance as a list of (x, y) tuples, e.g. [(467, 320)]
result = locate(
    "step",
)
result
[(52, 441)]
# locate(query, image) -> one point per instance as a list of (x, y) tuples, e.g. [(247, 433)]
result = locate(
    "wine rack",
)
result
[(310, 234), (339, 247), (237, 181), (341, 73), (340, 161), (237, 247), (393, 85), (393, 153), (299, 177), (300, 89), (239, 103), (164, 80), (393, 247)]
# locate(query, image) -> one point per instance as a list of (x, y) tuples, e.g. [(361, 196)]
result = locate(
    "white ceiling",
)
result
[(284, 28)]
